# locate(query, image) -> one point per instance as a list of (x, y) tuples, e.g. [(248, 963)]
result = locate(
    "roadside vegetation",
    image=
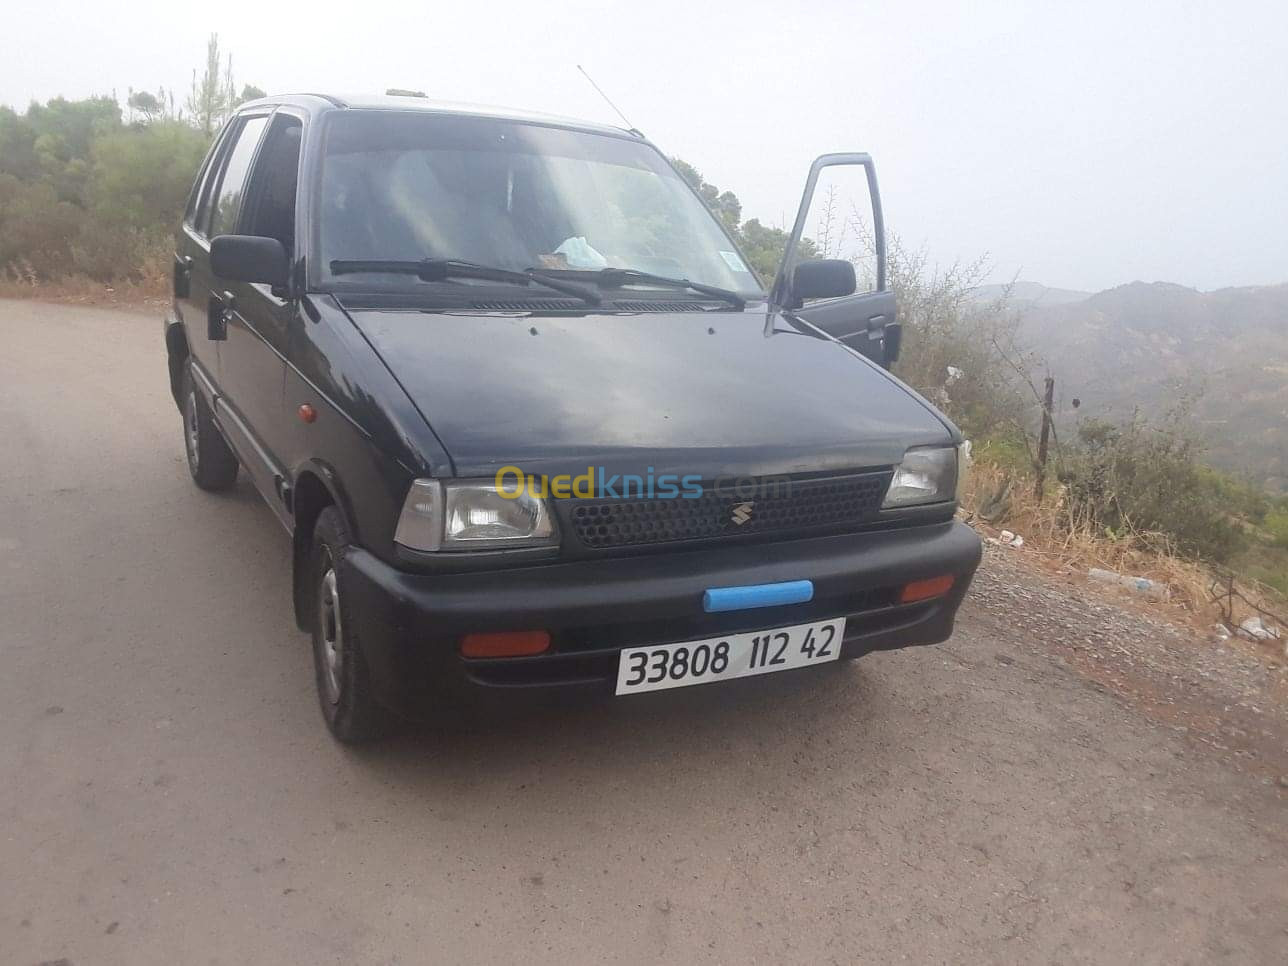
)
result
[(1134, 496), (90, 189)]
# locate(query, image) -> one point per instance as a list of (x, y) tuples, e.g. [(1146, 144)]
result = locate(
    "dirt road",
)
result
[(168, 793)]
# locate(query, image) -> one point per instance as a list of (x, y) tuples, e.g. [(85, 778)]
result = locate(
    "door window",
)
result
[(199, 201), (839, 223), (232, 183), (270, 197)]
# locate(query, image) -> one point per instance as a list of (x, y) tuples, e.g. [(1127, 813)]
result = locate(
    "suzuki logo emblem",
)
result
[(741, 513)]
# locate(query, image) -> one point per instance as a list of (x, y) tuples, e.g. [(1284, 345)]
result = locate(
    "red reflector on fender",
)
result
[(925, 589), (505, 644)]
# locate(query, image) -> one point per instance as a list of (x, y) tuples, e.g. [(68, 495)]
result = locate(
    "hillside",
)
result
[(1026, 294), (1146, 344)]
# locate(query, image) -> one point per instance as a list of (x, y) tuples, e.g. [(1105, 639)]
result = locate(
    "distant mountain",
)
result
[(1025, 294), (1147, 344)]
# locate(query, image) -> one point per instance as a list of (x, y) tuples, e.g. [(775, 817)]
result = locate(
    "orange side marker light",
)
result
[(926, 589), (505, 644)]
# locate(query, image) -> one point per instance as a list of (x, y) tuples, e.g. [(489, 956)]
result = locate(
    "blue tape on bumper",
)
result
[(757, 595)]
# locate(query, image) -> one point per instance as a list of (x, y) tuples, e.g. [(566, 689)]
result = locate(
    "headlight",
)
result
[(470, 516), (926, 475)]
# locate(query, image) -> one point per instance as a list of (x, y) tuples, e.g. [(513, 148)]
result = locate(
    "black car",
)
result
[(532, 423)]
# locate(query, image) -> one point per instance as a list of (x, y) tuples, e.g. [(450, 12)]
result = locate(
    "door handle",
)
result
[(182, 275), (218, 311)]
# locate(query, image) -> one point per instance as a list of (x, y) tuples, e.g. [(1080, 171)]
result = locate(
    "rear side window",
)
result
[(199, 201), (232, 183)]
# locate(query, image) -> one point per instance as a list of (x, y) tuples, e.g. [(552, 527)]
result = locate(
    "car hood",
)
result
[(688, 393)]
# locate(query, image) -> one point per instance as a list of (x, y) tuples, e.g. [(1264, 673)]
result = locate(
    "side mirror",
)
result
[(250, 258), (823, 278)]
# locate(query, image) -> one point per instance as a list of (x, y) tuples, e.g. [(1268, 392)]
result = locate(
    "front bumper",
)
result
[(410, 625)]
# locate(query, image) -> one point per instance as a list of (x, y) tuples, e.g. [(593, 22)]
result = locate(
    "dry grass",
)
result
[(146, 284), (82, 290), (1061, 544)]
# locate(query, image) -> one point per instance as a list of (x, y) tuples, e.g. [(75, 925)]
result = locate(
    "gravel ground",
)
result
[(1231, 695)]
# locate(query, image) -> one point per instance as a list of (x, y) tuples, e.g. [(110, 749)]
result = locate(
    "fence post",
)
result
[(1044, 439)]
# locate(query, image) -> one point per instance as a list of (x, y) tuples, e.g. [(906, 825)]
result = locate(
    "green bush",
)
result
[(1006, 452), (110, 251), (42, 143), (81, 193), (37, 229), (141, 175), (1144, 479), (1276, 526)]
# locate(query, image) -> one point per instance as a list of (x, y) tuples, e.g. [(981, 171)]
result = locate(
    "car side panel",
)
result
[(366, 433), (192, 302), (252, 364)]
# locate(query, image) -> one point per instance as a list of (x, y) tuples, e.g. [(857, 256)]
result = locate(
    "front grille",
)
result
[(774, 506)]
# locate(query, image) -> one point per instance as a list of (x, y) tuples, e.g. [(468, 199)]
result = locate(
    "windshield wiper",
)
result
[(440, 269), (617, 277)]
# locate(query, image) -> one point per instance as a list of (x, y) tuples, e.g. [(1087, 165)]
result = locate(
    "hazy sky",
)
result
[(1080, 144)]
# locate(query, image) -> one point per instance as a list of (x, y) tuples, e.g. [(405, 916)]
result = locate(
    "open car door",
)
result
[(833, 273)]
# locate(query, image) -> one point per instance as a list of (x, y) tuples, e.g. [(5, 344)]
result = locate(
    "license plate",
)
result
[(731, 656)]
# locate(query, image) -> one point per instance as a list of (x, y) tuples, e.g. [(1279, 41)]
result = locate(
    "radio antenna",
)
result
[(608, 100)]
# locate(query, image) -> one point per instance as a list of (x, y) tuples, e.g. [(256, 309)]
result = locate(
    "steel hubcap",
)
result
[(194, 444), (331, 630)]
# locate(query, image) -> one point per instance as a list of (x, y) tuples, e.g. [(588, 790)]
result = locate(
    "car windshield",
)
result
[(399, 185)]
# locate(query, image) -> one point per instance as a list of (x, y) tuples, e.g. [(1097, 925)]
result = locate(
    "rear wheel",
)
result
[(350, 710), (210, 460)]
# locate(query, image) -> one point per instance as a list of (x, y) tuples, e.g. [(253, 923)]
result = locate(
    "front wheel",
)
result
[(350, 710)]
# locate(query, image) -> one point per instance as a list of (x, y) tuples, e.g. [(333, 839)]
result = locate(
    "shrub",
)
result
[(1276, 526), (962, 354), (141, 176), (37, 230), (110, 251), (107, 217), (1143, 479)]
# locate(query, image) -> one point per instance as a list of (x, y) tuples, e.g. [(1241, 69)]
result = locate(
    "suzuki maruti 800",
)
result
[(533, 424)]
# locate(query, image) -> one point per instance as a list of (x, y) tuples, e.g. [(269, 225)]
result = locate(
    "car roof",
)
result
[(414, 102)]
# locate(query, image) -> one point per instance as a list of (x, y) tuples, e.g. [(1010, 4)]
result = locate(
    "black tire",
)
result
[(350, 710), (210, 460)]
